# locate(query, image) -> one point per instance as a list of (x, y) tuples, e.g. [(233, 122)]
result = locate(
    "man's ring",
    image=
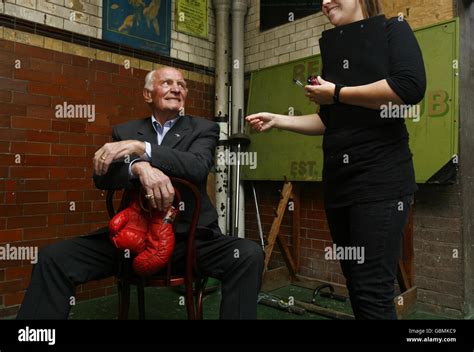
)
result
[(149, 196), (103, 157)]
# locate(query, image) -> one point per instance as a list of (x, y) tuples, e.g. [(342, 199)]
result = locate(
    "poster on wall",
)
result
[(140, 24), (191, 17)]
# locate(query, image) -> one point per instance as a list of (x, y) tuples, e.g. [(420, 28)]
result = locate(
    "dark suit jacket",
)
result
[(187, 151)]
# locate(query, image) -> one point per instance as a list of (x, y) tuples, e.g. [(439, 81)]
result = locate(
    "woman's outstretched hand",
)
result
[(321, 94), (261, 122)]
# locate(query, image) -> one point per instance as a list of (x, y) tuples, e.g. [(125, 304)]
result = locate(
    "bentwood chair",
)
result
[(191, 279)]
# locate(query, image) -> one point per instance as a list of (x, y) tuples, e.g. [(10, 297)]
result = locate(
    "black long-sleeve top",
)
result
[(367, 158)]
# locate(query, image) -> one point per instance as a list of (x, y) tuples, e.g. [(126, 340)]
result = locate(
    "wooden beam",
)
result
[(285, 196), (402, 277), (405, 303), (325, 312), (466, 112), (287, 256)]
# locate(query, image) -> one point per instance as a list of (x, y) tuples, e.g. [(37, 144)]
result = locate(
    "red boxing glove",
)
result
[(128, 229), (159, 244)]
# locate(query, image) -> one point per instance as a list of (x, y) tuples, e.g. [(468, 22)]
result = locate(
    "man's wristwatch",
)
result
[(337, 91)]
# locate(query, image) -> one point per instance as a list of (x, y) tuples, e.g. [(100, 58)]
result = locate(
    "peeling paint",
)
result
[(77, 6)]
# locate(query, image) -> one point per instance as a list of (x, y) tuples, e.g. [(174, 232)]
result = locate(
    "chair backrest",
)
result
[(190, 247)]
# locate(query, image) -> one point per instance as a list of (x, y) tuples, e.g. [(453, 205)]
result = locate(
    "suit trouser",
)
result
[(377, 227), (238, 263)]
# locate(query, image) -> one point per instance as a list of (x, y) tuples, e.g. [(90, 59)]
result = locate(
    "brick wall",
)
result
[(85, 17), (55, 155), (439, 254), (420, 13)]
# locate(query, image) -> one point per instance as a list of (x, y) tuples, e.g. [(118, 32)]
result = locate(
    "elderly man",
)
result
[(169, 143)]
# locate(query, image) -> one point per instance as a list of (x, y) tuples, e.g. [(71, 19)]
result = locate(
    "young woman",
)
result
[(368, 174)]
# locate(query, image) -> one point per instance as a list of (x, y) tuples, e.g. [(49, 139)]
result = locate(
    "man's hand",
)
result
[(156, 184), (322, 94), (115, 150)]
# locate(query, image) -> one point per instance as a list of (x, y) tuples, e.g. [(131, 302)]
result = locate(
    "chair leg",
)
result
[(119, 294), (200, 287), (189, 297), (141, 300), (124, 299)]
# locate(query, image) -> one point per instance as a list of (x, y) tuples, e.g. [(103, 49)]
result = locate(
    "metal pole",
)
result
[(239, 10), (259, 222), (222, 9)]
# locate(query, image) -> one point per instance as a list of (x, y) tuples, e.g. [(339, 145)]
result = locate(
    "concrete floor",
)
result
[(166, 304)]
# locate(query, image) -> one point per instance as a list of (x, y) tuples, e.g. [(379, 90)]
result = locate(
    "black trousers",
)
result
[(238, 263), (377, 227)]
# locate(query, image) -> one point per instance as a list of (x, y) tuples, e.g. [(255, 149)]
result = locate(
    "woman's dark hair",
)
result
[(371, 8)]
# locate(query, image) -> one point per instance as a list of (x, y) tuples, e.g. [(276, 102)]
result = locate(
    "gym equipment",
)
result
[(278, 303)]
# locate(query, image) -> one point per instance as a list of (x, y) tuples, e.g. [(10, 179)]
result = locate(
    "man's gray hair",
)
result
[(149, 79)]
